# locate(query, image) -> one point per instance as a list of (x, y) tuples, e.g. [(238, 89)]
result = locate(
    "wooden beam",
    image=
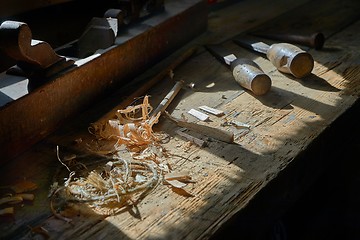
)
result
[(30, 118)]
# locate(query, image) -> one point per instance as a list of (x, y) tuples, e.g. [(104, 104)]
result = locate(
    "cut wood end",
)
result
[(11, 200), (199, 115), (26, 196), (7, 211)]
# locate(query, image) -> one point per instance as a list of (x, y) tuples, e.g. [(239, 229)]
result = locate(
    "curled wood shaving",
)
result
[(132, 126), (114, 183), (53, 210), (69, 161), (121, 182), (154, 153)]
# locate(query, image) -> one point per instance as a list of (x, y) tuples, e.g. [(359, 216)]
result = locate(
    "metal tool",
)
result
[(66, 94), (135, 9), (34, 58), (287, 58), (245, 71), (100, 33), (315, 40)]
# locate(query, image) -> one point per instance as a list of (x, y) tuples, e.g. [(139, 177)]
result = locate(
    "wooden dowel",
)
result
[(168, 98), (145, 87)]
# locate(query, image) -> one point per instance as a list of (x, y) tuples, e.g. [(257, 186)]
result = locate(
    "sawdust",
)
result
[(122, 182)]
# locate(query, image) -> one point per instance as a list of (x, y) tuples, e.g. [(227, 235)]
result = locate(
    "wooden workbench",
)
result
[(283, 124)]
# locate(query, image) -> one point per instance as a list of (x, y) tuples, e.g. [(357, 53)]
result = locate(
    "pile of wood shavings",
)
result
[(121, 183), (108, 190), (132, 127)]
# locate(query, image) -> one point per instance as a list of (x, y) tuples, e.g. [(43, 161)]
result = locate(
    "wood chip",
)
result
[(211, 110), (180, 176), (199, 115), (7, 211), (176, 183)]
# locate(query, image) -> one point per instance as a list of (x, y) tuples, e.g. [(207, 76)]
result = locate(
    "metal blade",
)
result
[(252, 44), (315, 40), (221, 53)]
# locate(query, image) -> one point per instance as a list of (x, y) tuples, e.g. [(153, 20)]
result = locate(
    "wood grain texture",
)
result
[(227, 176)]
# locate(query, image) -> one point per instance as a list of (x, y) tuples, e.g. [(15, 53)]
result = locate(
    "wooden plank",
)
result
[(44, 159), (289, 118), (227, 176), (50, 104)]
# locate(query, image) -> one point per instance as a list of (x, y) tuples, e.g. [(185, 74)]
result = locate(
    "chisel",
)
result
[(315, 40), (287, 58), (245, 71)]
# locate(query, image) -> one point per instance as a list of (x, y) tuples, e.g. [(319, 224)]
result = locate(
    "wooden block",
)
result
[(33, 116), (199, 115), (211, 110)]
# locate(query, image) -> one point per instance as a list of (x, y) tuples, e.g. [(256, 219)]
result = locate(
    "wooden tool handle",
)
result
[(168, 98), (315, 40), (288, 58), (141, 90), (250, 76)]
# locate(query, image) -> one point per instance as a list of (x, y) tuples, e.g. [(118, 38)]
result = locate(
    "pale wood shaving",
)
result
[(7, 211), (130, 128), (122, 182)]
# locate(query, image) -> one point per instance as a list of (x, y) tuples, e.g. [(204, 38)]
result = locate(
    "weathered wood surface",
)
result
[(48, 105), (283, 123), (325, 19)]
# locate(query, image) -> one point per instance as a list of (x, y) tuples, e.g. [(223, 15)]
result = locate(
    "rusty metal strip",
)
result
[(29, 119)]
